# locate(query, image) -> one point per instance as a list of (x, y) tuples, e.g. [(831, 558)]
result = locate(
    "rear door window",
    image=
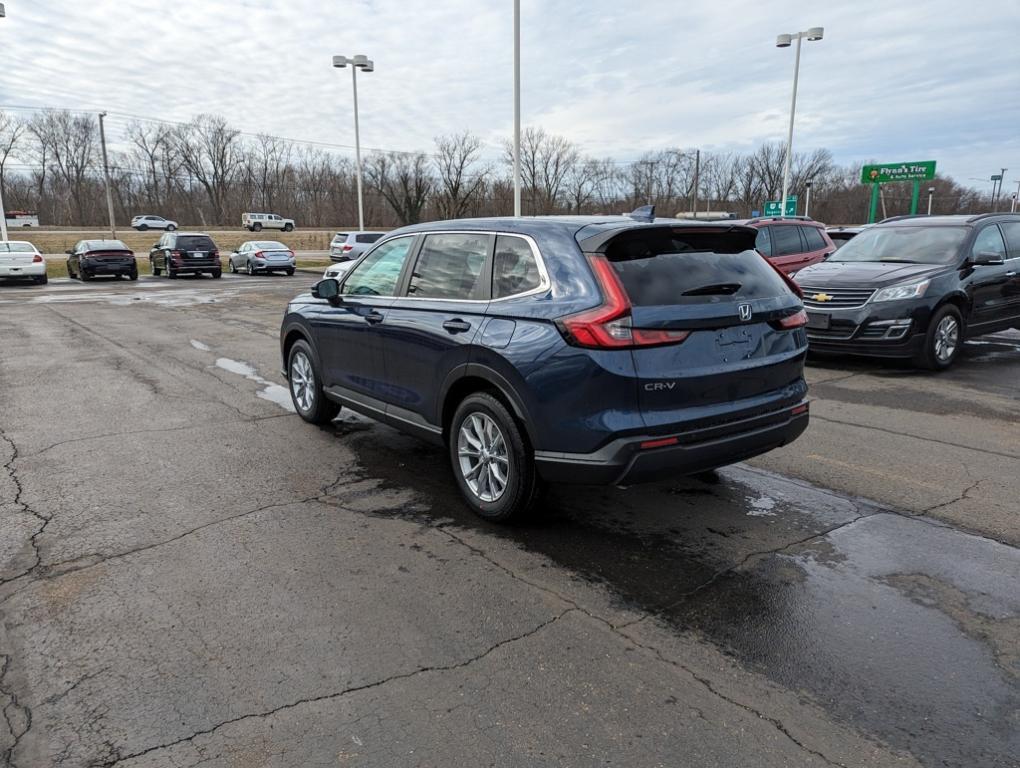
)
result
[(763, 242), (450, 267), (786, 240), (1011, 230), (514, 267), (692, 268), (366, 238), (378, 273), (813, 238)]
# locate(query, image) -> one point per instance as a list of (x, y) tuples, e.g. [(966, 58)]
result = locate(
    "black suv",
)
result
[(185, 253), (916, 287), (583, 350)]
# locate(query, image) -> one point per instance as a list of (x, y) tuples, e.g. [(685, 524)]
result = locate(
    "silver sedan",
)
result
[(261, 256)]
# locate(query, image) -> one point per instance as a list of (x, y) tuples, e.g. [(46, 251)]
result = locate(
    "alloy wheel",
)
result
[(302, 381), (947, 337), (482, 454)]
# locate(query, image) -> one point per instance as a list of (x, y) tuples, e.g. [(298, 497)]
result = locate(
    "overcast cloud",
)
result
[(891, 81)]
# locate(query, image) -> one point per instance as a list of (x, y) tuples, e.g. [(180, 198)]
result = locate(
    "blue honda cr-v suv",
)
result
[(581, 350)]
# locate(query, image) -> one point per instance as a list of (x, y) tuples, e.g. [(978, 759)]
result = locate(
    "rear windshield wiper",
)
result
[(715, 289)]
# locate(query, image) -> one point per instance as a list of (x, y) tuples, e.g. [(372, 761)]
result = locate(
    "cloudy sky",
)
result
[(891, 81)]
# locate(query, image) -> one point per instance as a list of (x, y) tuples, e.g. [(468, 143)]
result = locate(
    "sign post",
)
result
[(886, 172)]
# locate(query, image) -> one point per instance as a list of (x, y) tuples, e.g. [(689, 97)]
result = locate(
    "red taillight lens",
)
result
[(216, 254), (608, 326), (796, 320), (37, 259), (661, 443), (347, 248), (258, 254), (803, 408)]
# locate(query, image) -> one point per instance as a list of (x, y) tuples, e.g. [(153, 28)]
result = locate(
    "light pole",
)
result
[(365, 64), (931, 192), (106, 176), (807, 199), (3, 211), (1012, 207), (517, 107), (784, 41)]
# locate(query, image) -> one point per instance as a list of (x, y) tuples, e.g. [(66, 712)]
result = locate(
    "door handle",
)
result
[(457, 325), (1011, 274), (374, 317)]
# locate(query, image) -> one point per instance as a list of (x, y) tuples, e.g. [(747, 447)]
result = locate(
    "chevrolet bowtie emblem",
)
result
[(822, 297)]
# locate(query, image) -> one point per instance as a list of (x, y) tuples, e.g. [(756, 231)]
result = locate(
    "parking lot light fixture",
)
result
[(785, 41), (365, 64)]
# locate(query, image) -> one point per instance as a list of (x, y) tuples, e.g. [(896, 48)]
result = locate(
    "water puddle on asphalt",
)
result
[(274, 393)]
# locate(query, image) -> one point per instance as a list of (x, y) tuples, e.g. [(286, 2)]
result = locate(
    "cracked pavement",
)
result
[(190, 575)]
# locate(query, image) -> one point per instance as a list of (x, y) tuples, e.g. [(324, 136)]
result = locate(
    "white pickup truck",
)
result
[(256, 222)]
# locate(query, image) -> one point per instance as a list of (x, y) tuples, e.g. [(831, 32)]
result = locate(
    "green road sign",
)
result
[(773, 208), (997, 177), (922, 171)]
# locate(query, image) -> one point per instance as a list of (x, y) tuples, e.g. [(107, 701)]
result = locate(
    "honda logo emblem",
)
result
[(745, 311)]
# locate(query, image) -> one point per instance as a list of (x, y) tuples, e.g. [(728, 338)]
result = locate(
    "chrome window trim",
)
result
[(544, 285)]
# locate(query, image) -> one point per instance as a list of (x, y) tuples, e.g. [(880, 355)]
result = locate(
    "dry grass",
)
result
[(56, 241)]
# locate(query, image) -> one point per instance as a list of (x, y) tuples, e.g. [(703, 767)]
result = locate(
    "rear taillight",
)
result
[(608, 326), (37, 259), (796, 320), (258, 254), (347, 248), (291, 254), (216, 254)]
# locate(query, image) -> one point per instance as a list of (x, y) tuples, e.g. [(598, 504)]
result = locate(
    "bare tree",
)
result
[(545, 162), (11, 131), (403, 180), (458, 180), (71, 143), (155, 150), (211, 154)]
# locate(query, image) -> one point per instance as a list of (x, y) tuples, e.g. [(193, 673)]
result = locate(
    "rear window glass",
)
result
[(105, 245), (340, 236), (450, 267), (17, 247), (366, 238), (814, 239), (693, 268), (195, 243), (270, 245)]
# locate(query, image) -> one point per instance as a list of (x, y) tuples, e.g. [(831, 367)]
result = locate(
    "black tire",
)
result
[(305, 379), (288, 227), (256, 227), (171, 273), (290, 273), (231, 267), (943, 341), (521, 486), (143, 227), (133, 274), (170, 228), (83, 275), (41, 279), (250, 268), (217, 274)]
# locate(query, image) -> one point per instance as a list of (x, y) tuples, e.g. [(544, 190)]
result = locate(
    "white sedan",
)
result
[(22, 260)]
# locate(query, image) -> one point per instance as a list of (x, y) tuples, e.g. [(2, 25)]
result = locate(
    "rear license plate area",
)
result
[(736, 335), (819, 321)]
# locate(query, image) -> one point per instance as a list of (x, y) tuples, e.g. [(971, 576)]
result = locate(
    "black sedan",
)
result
[(90, 258)]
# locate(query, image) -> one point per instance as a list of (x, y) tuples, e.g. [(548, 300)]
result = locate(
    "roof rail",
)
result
[(979, 216), (904, 217), (756, 219)]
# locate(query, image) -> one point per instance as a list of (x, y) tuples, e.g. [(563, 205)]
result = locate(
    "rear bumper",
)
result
[(273, 266), (23, 270), (625, 462), (204, 265), (125, 267)]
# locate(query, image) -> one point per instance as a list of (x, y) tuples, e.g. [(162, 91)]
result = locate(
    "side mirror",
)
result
[(328, 289), (987, 259), (825, 256)]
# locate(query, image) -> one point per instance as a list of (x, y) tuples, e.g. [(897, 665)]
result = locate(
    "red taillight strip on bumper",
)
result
[(661, 443)]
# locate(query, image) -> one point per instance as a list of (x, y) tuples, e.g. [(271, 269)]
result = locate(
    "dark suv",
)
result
[(916, 287), (581, 350), (791, 243), (179, 253)]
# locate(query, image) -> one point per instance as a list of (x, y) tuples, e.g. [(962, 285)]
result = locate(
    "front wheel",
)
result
[(306, 393), (491, 460), (256, 227), (943, 341)]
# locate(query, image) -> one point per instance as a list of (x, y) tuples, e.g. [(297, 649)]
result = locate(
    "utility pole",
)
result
[(1012, 208), (807, 201), (697, 173), (106, 175), (3, 211), (517, 108)]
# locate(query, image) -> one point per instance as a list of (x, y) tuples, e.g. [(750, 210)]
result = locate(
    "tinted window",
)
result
[(367, 238), (450, 266), (340, 236), (786, 241), (195, 243), (909, 245), (813, 238), (105, 245), (763, 242), (1012, 232), (378, 273), (270, 245), (514, 268), (989, 240), (691, 268)]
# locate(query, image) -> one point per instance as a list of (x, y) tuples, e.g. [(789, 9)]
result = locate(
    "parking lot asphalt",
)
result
[(189, 574)]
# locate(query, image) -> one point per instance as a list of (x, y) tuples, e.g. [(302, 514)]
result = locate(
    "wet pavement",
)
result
[(190, 574)]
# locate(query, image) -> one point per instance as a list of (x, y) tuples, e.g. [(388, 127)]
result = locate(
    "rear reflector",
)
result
[(799, 410), (661, 443)]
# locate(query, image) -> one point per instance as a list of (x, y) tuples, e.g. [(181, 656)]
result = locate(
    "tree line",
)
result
[(206, 172)]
